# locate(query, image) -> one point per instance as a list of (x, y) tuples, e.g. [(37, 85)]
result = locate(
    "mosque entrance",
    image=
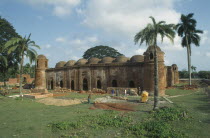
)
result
[(85, 84), (72, 85), (99, 84), (114, 83)]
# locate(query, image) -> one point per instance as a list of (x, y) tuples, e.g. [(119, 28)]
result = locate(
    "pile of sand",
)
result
[(109, 99), (60, 102)]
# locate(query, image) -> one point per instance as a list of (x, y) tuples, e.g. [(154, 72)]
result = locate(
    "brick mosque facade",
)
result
[(85, 75)]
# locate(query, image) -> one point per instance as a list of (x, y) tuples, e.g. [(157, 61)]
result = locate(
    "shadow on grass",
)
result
[(205, 103)]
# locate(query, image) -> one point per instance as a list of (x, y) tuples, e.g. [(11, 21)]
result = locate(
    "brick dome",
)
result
[(60, 64), (152, 48), (41, 57), (107, 60), (81, 61), (137, 58), (93, 60), (70, 63), (121, 59)]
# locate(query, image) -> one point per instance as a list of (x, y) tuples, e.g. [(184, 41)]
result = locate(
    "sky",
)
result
[(65, 29)]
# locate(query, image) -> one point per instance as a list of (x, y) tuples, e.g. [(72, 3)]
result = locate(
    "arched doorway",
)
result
[(72, 85), (51, 84), (114, 83), (24, 80), (99, 84), (131, 84), (61, 84), (85, 84)]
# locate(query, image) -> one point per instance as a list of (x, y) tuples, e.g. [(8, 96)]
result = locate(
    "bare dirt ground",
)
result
[(61, 102), (114, 106)]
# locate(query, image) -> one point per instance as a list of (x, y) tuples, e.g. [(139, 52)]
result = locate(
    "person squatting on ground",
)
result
[(89, 98), (112, 92)]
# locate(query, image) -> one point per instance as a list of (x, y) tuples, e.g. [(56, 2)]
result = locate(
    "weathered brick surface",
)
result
[(136, 72)]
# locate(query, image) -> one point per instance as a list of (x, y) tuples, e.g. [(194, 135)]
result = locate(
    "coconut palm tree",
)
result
[(149, 35), (23, 47), (187, 30)]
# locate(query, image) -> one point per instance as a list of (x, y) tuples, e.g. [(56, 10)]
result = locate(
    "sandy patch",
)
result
[(61, 102)]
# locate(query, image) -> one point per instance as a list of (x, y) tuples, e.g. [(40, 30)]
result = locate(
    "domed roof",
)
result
[(121, 59), (93, 60), (107, 60), (137, 58), (174, 65), (70, 63), (41, 57), (60, 64), (152, 48), (81, 61)]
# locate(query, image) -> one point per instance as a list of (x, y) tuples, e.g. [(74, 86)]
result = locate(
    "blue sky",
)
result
[(65, 29)]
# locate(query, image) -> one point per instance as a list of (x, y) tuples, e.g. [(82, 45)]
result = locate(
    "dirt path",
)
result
[(114, 106), (182, 95)]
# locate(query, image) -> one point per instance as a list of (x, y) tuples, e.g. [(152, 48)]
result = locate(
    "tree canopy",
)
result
[(7, 31), (7, 61), (101, 51)]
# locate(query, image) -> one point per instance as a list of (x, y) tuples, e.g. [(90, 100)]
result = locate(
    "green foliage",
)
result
[(7, 31), (200, 74), (22, 46), (7, 61), (204, 74), (169, 114), (157, 125), (100, 52), (65, 126), (190, 35)]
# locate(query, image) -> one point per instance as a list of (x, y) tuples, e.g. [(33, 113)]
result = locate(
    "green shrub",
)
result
[(169, 114)]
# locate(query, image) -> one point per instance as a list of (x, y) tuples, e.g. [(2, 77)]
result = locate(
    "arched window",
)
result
[(85, 84), (151, 56), (37, 64), (99, 84), (61, 84), (131, 84), (24, 80), (114, 83), (72, 85)]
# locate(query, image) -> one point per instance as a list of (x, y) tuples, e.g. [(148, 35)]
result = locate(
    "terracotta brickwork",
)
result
[(134, 72)]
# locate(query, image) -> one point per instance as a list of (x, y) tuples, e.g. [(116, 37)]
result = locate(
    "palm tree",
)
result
[(187, 30), (193, 68), (23, 47), (149, 35)]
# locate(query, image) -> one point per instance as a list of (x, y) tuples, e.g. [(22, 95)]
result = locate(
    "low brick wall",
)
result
[(39, 91), (121, 90)]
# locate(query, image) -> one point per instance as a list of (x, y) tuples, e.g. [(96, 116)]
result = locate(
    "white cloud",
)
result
[(123, 17), (61, 11), (140, 51), (168, 46), (61, 39), (80, 43), (208, 54), (61, 8)]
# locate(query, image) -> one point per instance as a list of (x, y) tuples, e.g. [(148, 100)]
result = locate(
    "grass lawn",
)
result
[(189, 116)]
